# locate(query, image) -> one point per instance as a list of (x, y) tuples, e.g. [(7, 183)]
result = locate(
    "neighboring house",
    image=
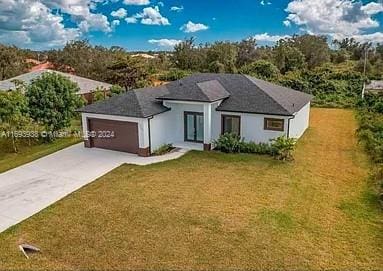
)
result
[(87, 86), (193, 112), (146, 56), (375, 87)]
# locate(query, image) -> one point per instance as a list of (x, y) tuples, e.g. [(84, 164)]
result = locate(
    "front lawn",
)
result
[(210, 210), (26, 154)]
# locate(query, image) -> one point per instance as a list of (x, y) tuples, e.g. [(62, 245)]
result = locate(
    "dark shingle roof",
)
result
[(86, 85), (139, 103), (290, 100), (240, 93), (195, 88)]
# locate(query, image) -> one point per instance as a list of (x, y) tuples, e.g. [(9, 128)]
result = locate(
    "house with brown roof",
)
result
[(193, 112)]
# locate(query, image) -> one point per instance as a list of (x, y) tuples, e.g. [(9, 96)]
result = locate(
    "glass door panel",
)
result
[(190, 127), (194, 126), (199, 128)]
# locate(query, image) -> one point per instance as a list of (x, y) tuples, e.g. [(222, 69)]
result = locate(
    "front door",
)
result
[(193, 126)]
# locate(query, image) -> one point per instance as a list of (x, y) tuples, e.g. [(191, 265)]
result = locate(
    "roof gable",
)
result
[(291, 100), (139, 103)]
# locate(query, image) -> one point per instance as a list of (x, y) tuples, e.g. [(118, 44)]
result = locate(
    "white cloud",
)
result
[(191, 27), (344, 18), (40, 23), (165, 42), (152, 16), (269, 38), (72, 7), (137, 2), (287, 23), (115, 23), (177, 9), (131, 20), (372, 8), (95, 22), (376, 37), (30, 23), (161, 4), (264, 3), (120, 13)]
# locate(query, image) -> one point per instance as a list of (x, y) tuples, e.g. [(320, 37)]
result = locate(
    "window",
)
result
[(231, 124), (274, 124)]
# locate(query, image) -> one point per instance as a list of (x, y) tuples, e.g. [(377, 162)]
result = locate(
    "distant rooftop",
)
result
[(86, 85), (375, 85), (147, 56)]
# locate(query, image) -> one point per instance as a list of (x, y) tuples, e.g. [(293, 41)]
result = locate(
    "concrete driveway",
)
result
[(28, 189)]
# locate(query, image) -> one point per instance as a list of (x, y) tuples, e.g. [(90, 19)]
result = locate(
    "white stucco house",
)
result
[(193, 112)]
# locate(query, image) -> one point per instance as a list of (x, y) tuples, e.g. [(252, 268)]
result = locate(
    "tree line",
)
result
[(307, 63)]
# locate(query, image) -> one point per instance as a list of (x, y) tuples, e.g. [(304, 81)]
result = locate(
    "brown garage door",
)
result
[(114, 135)]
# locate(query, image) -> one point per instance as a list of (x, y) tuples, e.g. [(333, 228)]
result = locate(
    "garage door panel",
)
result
[(125, 135)]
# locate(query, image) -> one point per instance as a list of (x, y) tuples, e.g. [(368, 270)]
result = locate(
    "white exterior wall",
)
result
[(168, 127), (252, 126), (161, 127), (143, 132), (300, 122), (176, 129)]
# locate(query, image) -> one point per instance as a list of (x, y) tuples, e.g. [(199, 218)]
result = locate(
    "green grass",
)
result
[(26, 154), (209, 210)]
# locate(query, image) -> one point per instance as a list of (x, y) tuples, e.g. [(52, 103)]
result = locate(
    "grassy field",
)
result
[(26, 154), (219, 211)]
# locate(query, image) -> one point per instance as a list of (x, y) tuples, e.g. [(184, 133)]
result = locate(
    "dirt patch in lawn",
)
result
[(219, 211)]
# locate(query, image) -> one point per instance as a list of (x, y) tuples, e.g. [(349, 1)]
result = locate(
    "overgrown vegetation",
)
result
[(370, 133), (334, 74)]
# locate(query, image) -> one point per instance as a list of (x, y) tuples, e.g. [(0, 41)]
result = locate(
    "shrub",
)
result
[(283, 147), (163, 149), (229, 143), (252, 147)]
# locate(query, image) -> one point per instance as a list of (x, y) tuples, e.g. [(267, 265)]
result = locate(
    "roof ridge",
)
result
[(138, 103), (196, 83), (248, 77), (203, 91)]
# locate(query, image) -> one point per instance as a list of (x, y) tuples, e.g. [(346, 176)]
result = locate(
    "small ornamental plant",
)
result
[(283, 147)]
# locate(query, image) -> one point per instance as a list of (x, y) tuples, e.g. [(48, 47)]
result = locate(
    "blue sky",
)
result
[(159, 24)]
